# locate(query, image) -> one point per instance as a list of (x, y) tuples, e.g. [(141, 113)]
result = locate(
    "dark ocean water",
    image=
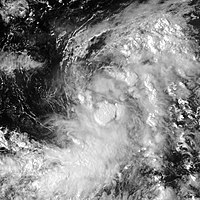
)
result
[(52, 55)]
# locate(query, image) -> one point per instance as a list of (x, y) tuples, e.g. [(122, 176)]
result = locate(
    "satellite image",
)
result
[(99, 100)]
